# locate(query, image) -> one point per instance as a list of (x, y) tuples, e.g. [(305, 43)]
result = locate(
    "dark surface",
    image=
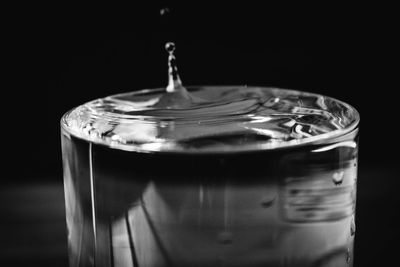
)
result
[(32, 227), (59, 57)]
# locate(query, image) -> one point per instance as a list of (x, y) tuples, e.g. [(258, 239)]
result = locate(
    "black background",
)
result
[(58, 57)]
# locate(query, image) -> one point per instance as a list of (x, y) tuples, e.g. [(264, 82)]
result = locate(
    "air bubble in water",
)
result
[(225, 238), (337, 178)]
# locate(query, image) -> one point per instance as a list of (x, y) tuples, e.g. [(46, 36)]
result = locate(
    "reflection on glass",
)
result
[(237, 176)]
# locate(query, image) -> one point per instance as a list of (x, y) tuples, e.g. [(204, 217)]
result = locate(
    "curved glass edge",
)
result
[(326, 138)]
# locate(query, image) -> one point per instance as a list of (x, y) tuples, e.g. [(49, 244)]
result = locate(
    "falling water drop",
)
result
[(225, 238), (352, 226), (337, 178), (170, 47), (164, 11)]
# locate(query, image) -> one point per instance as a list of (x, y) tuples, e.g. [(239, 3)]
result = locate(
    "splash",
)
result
[(210, 118)]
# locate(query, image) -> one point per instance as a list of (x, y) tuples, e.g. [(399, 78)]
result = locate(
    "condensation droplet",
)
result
[(267, 202), (337, 178), (225, 238), (348, 256), (352, 226)]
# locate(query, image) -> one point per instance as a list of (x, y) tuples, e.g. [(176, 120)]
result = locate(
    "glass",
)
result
[(243, 176)]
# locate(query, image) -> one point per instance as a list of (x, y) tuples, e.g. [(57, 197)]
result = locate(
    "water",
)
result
[(353, 227), (210, 176), (194, 209), (211, 119)]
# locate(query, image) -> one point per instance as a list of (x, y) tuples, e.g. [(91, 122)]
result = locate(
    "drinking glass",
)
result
[(241, 176)]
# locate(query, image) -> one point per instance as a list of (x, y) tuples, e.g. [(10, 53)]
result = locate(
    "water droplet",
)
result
[(225, 238), (267, 202), (164, 11), (174, 81), (170, 47), (352, 226), (177, 96), (337, 177)]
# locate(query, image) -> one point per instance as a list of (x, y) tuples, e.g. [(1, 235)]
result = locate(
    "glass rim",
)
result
[(324, 138)]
